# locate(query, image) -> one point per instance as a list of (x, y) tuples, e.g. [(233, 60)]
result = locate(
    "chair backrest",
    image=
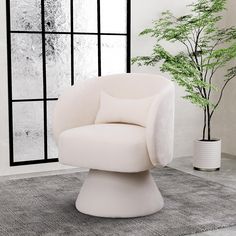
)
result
[(79, 104), (132, 85)]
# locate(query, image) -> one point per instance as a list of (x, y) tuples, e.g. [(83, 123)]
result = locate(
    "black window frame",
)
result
[(45, 99)]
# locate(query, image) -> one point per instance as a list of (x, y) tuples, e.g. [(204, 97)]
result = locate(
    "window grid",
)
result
[(45, 98), (72, 40)]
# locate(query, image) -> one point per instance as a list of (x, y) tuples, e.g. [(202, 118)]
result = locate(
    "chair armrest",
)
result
[(160, 127), (76, 107)]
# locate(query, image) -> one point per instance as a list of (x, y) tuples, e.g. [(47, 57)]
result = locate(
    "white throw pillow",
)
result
[(121, 110)]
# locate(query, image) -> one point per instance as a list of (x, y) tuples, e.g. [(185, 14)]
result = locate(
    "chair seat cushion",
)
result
[(110, 147)]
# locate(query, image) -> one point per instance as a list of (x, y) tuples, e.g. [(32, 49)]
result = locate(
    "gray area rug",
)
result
[(45, 206)]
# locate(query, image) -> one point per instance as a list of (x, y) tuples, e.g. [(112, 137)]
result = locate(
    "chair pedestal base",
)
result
[(120, 195)]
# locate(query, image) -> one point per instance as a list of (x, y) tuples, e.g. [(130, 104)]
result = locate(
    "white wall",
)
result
[(188, 118), (225, 120), (229, 115), (188, 122), (3, 90)]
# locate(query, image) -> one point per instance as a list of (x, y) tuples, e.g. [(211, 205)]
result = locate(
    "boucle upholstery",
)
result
[(75, 115)]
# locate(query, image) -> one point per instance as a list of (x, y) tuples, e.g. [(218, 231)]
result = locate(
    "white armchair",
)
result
[(119, 155)]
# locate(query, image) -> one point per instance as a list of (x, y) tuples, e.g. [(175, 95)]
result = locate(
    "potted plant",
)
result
[(205, 49)]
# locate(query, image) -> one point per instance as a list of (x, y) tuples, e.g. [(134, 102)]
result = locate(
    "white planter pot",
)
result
[(207, 155)]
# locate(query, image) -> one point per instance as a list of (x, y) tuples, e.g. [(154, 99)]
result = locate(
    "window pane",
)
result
[(28, 131), (26, 50), (52, 148), (25, 15), (85, 57), (113, 54), (58, 58), (57, 15), (27, 58), (113, 16), (85, 16)]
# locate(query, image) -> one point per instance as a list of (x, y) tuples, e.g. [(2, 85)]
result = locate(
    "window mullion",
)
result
[(128, 41), (72, 39), (99, 37), (44, 80)]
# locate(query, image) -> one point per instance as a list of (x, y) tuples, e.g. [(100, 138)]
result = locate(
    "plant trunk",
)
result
[(204, 125), (206, 133), (209, 129), (208, 123)]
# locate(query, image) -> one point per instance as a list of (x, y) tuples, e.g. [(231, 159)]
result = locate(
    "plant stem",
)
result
[(221, 95), (208, 123), (204, 127)]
